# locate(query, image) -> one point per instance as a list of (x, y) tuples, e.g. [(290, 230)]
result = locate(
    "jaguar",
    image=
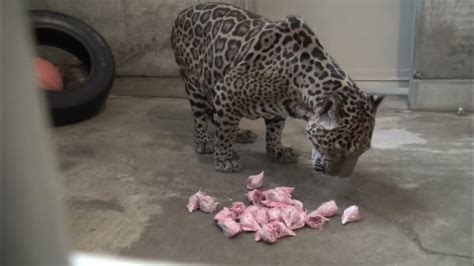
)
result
[(236, 64)]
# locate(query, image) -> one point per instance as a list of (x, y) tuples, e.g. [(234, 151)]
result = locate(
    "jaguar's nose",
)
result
[(319, 169), (318, 166)]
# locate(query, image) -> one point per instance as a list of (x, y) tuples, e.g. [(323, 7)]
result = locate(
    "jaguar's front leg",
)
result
[(202, 141), (226, 159), (275, 149)]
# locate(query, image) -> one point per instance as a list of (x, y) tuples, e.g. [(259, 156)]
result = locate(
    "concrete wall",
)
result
[(377, 46), (370, 39), (443, 56), (138, 31), (445, 40)]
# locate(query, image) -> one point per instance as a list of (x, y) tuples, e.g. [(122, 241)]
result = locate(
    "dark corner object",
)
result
[(70, 34)]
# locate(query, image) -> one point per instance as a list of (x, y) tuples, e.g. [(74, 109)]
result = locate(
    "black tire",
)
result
[(84, 101)]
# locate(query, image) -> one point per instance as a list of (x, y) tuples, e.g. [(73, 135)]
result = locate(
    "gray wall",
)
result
[(443, 56), (138, 31), (445, 39)]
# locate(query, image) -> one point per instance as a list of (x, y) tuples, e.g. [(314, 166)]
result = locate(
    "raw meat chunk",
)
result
[(279, 195), (256, 196), (327, 209), (272, 231), (237, 208), (300, 220), (315, 220), (293, 218), (351, 214), (286, 190), (274, 204), (298, 204), (248, 223), (204, 202), (207, 203), (261, 216), (229, 227), (252, 209), (193, 203), (274, 214), (225, 213), (286, 215), (255, 181)]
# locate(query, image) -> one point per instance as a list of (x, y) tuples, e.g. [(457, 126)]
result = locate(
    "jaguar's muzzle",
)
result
[(343, 168)]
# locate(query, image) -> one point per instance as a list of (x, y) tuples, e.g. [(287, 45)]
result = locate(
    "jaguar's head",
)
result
[(341, 131)]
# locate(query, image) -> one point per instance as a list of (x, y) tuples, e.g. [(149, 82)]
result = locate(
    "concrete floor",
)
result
[(129, 172)]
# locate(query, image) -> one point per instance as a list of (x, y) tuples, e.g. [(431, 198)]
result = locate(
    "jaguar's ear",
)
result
[(375, 101), (328, 113)]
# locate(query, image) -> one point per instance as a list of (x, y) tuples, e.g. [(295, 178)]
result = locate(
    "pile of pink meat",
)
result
[(272, 213)]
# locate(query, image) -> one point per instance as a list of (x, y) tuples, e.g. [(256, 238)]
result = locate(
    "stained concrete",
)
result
[(129, 172)]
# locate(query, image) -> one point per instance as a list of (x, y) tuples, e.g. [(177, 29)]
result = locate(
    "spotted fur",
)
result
[(236, 64)]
